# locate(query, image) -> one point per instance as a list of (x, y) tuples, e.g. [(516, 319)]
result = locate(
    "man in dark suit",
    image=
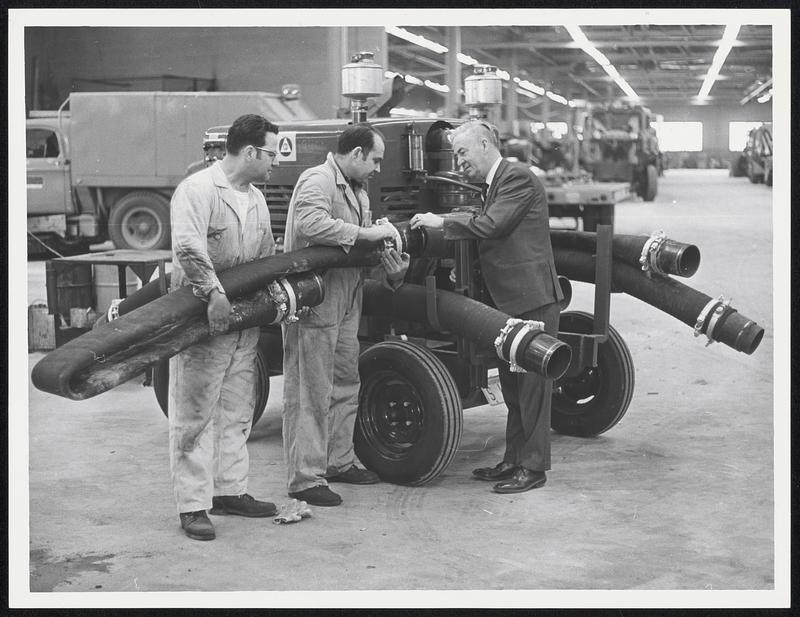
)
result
[(516, 258)]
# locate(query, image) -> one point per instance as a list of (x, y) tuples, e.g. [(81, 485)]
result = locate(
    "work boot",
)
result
[(318, 496), (197, 525), (242, 505), (354, 475)]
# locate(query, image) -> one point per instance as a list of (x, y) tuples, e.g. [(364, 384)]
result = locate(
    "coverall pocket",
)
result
[(215, 239)]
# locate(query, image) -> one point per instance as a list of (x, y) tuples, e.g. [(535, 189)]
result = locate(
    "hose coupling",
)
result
[(395, 243), (508, 340), (282, 295), (649, 257), (711, 313), (113, 310)]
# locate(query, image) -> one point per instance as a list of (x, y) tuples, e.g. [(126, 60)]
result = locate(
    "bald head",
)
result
[(476, 145)]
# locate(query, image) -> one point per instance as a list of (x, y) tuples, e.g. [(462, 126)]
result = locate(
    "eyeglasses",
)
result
[(271, 153)]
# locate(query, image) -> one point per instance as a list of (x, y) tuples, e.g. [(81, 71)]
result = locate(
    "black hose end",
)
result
[(678, 258), (545, 355)]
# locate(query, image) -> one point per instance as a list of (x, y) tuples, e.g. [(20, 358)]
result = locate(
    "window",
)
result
[(679, 136), (557, 129), (41, 144), (738, 133)]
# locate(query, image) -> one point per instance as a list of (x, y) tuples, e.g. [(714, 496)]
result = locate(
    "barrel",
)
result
[(106, 285), (69, 285)]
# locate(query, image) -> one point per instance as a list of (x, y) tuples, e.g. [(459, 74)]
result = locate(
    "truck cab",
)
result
[(48, 175)]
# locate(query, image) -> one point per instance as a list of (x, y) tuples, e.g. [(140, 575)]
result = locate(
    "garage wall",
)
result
[(58, 60), (715, 121)]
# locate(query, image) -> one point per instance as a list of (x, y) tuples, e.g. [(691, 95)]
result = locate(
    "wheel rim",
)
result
[(141, 228), (577, 393), (394, 419)]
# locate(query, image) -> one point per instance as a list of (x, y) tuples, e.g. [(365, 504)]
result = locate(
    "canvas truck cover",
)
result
[(147, 139)]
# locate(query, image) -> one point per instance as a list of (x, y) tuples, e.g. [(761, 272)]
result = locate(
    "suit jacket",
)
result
[(513, 233)]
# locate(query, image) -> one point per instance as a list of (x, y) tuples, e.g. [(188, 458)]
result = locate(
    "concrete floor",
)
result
[(677, 496)]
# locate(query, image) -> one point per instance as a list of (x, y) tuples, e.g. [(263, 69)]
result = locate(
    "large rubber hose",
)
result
[(534, 351), (116, 351), (661, 254), (708, 316)]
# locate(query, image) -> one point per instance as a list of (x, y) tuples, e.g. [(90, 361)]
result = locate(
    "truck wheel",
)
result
[(650, 180), (140, 220), (752, 175), (593, 401), (161, 386), (409, 413)]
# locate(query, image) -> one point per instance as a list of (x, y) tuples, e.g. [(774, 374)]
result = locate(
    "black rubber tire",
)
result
[(595, 400), (768, 178), (754, 177), (161, 386), (415, 449), (650, 175), (140, 221)]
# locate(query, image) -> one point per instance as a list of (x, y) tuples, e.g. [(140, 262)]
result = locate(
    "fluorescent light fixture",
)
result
[(524, 83), (435, 86), (580, 38), (725, 45), (765, 97), (416, 39), (527, 93), (556, 97), (465, 59), (503, 75), (410, 79), (390, 74)]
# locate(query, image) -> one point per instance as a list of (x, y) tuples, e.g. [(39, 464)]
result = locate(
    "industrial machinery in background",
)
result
[(755, 161), (104, 165), (620, 145), (429, 350)]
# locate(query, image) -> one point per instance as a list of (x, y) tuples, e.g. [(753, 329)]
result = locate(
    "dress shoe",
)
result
[(242, 505), (197, 526), (354, 475), (318, 496), (522, 480), (501, 471)]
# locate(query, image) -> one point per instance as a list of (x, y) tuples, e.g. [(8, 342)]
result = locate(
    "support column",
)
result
[(512, 102), (453, 71)]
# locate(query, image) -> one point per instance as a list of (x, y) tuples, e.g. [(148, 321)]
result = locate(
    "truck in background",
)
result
[(106, 167)]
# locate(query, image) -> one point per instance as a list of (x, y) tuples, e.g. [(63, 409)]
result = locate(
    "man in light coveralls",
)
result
[(330, 207), (219, 220)]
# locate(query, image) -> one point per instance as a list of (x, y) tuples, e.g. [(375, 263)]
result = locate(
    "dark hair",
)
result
[(248, 130), (358, 135)]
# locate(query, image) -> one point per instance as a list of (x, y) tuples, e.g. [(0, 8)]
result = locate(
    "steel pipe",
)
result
[(115, 352), (713, 318), (520, 343)]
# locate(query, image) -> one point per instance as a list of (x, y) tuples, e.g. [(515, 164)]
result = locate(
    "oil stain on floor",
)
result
[(48, 572)]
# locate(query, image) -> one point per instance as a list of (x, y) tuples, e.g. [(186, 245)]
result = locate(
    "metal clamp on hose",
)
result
[(714, 308), (723, 306), (113, 310), (397, 243), (649, 257), (282, 296), (518, 329)]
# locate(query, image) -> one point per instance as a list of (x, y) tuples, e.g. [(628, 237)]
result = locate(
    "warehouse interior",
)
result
[(684, 502)]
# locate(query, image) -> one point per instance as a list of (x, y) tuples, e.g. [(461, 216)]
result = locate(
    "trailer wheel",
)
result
[(650, 188), (409, 414), (593, 401), (161, 386), (140, 221)]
